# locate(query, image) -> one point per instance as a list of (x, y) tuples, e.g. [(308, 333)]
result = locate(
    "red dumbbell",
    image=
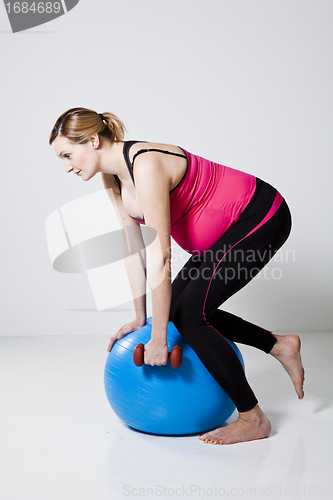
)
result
[(175, 356)]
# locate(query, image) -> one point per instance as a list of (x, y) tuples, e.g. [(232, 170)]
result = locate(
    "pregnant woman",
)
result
[(231, 222)]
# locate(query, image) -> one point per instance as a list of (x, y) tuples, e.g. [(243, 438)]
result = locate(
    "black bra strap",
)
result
[(126, 148), (129, 144), (158, 151), (118, 182)]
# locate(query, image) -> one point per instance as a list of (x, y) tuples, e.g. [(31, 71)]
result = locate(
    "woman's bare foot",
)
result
[(250, 425), (287, 350)]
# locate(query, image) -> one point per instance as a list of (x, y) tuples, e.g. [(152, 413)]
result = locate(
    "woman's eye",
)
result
[(66, 156)]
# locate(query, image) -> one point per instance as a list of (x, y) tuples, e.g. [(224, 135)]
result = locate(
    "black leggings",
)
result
[(206, 282)]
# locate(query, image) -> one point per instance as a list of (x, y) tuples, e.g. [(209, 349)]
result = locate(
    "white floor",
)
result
[(61, 440)]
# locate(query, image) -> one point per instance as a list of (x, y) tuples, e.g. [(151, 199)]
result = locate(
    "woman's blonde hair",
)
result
[(79, 124)]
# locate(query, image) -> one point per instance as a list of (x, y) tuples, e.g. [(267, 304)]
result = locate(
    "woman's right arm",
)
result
[(135, 266)]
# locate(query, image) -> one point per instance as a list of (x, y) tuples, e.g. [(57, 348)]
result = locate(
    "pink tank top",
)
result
[(206, 203)]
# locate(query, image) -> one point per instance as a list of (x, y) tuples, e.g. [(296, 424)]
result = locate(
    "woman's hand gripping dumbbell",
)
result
[(175, 356)]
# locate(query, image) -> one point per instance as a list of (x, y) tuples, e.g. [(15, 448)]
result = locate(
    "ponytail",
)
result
[(79, 124)]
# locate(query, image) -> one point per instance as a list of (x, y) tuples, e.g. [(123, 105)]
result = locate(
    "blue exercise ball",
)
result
[(161, 399)]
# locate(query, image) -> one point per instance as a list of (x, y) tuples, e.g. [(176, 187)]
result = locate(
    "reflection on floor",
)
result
[(60, 439)]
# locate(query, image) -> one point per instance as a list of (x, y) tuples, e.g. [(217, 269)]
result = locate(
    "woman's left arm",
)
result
[(152, 186)]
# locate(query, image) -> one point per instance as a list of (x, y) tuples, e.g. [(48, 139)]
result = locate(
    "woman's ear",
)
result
[(95, 141)]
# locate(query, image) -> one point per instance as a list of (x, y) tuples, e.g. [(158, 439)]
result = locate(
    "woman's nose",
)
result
[(68, 167)]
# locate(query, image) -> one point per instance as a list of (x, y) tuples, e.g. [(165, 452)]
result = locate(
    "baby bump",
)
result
[(197, 233)]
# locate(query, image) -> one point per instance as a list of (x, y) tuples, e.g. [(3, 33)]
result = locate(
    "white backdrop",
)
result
[(246, 83)]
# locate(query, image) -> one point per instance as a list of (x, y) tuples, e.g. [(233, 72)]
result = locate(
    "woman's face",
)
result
[(80, 159)]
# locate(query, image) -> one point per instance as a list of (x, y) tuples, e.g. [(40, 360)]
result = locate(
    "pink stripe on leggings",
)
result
[(275, 205)]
